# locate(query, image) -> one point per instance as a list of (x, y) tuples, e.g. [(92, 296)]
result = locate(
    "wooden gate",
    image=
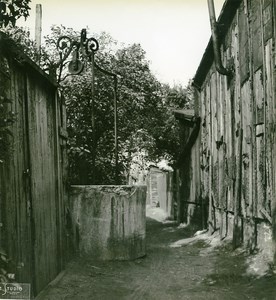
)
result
[(32, 186)]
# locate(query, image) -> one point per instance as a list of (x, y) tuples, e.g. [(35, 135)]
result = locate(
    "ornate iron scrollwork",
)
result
[(80, 51)]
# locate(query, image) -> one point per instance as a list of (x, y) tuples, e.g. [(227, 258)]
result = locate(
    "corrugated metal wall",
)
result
[(32, 187), (238, 139)]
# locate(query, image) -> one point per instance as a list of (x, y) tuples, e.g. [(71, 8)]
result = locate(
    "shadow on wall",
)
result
[(72, 236), (107, 222)]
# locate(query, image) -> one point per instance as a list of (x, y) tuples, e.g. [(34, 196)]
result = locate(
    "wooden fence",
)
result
[(238, 113), (32, 178)]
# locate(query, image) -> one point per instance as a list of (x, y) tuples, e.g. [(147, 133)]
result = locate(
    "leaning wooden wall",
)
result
[(238, 115), (32, 185)]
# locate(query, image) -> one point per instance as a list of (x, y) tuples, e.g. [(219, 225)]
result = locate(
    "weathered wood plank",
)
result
[(267, 19), (210, 164), (247, 186), (256, 26), (260, 148), (31, 185), (42, 148), (270, 111), (214, 138), (243, 44)]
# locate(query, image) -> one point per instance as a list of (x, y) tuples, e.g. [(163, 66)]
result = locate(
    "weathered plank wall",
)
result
[(238, 151), (190, 205), (32, 187)]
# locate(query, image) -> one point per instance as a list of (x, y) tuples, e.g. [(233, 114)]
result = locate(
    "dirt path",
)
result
[(187, 272)]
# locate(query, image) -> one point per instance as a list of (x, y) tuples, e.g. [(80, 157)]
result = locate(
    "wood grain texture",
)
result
[(33, 179), (237, 149)]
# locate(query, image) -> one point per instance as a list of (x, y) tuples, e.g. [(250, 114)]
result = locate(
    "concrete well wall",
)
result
[(109, 222)]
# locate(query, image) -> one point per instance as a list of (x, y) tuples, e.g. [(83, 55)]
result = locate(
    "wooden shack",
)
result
[(32, 187), (238, 124)]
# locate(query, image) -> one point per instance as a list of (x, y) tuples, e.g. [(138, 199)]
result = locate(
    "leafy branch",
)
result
[(7, 116), (12, 10)]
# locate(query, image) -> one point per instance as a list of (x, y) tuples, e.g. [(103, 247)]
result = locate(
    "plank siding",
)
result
[(238, 113), (42, 148), (32, 191)]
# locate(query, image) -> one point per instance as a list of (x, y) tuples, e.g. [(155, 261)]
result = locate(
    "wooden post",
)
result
[(93, 116), (116, 131), (115, 78), (38, 28)]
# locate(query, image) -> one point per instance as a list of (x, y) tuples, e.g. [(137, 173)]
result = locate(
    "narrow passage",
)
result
[(193, 271)]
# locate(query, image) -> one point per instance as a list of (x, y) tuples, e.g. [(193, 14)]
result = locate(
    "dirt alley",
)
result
[(187, 272)]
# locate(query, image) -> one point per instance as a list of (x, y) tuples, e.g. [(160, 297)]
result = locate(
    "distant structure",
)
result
[(160, 189)]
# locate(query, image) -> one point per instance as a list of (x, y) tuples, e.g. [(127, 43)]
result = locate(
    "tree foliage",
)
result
[(12, 10), (146, 125), (7, 116)]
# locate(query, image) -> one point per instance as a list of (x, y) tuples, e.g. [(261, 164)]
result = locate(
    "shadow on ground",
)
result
[(186, 272)]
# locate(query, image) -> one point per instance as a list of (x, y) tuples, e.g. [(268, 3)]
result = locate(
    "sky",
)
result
[(174, 33)]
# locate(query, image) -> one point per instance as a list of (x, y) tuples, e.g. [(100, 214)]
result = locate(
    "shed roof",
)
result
[(224, 21), (186, 116), (184, 112)]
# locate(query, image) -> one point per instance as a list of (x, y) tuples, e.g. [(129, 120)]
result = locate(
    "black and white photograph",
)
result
[(138, 149)]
